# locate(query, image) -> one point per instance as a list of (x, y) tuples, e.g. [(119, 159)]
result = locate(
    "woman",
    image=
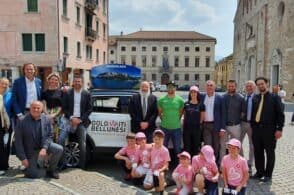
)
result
[(52, 98), (5, 131), (193, 116)]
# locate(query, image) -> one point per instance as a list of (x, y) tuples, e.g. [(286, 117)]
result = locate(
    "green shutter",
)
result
[(40, 42), (27, 42), (32, 5)]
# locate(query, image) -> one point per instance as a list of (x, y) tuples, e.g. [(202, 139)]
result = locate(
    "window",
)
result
[(187, 49), (187, 61), (154, 48), (143, 48), (104, 30), (32, 5), (176, 77), (108, 104), (134, 48), (133, 60), (89, 52), (144, 61), (186, 77), (64, 7), (97, 55), (177, 49), (207, 61), (165, 48), (104, 57), (207, 49), (197, 60), (97, 28), (65, 45), (123, 48), (27, 42), (111, 62), (176, 61), (197, 49), (78, 15), (123, 59), (153, 77), (104, 7), (207, 77), (143, 76), (78, 49), (196, 77), (154, 61), (111, 52), (40, 42)]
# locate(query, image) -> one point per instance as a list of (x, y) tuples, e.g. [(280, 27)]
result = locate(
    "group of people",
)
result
[(42, 120), (214, 120)]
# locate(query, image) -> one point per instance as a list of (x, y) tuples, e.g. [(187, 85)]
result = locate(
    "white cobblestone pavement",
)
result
[(77, 181)]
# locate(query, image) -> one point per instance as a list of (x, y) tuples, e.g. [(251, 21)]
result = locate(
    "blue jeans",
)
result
[(176, 136)]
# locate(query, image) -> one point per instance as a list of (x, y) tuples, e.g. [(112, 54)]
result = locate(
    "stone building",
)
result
[(224, 71), (67, 36), (264, 42), (187, 57)]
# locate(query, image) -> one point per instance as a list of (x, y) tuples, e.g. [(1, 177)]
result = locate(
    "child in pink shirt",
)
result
[(127, 155), (183, 174), (159, 163), (235, 169), (143, 157), (206, 171)]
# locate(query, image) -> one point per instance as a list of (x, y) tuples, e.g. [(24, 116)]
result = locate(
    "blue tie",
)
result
[(249, 107)]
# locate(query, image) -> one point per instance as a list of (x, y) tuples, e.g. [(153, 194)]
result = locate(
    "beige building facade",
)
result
[(66, 36), (224, 71), (187, 57), (264, 42)]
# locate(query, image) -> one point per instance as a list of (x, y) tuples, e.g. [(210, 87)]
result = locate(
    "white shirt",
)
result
[(31, 92), (209, 107), (77, 104)]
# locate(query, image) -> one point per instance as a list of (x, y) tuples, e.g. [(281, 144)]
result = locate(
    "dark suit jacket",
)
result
[(85, 106), (19, 94), (135, 110), (25, 138), (218, 112)]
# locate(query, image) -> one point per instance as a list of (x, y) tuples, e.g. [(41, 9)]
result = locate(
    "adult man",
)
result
[(170, 110), (34, 145), (246, 120), (77, 107), (267, 123), (25, 90), (143, 111), (213, 126)]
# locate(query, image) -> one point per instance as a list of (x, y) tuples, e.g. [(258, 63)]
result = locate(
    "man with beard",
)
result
[(143, 111), (267, 123)]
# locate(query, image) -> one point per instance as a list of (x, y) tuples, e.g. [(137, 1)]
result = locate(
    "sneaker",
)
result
[(22, 168), (53, 174), (2, 173), (265, 179), (256, 176)]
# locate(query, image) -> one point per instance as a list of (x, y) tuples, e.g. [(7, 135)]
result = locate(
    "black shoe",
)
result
[(53, 174), (265, 179), (256, 176)]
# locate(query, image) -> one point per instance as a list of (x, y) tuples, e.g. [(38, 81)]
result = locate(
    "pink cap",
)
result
[(140, 135), (208, 153), (194, 88), (159, 131), (235, 142), (186, 154)]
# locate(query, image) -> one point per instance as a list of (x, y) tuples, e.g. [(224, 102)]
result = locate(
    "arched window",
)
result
[(281, 12)]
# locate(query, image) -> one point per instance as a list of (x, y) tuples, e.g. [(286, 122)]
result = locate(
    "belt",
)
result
[(232, 124), (209, 122)]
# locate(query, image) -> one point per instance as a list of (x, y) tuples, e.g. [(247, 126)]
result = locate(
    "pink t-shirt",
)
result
[(198, 162), (143, 155), (234, 169), (159, 156), (129, 152), (186, 173)]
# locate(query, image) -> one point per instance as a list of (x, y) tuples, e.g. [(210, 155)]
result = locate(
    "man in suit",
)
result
[(77, 106), (143, 111), (34, 145), (267, 123), (25, 90), (213, 125)]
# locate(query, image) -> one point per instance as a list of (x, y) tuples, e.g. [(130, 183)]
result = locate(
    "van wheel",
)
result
[(72, 154)]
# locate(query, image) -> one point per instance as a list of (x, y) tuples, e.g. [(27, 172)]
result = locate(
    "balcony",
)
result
[(165, 69), (91, 4), (90, 34)]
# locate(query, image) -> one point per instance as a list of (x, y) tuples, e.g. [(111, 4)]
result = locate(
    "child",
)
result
[(142, 159), (206, 171), (126, 155), (183, 174), (235, 170), (159, 163)]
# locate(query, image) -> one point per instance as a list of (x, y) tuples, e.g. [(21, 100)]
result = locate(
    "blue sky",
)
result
[(210, 17)]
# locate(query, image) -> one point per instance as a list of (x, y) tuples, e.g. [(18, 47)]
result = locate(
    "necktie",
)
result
[(249, 107), (144, 109), (257, 117)]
